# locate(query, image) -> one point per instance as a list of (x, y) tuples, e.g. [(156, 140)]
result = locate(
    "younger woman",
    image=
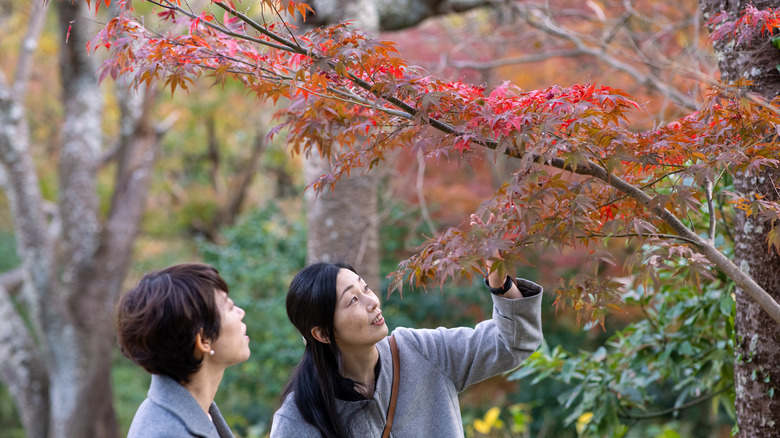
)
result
[(342, 386), (180, 325)]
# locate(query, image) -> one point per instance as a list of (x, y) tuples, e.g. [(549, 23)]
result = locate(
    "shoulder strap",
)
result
[(394, 394)]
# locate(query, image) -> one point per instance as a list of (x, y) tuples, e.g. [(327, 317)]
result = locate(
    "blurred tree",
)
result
[(55, 306)]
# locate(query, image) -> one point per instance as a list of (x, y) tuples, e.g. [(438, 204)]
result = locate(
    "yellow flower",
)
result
[(583, 421), (484, 425)]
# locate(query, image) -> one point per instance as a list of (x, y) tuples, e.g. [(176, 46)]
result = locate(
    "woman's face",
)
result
[(232, 345), (358, 320)]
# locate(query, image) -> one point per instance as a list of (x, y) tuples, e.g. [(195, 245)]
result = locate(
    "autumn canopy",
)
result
[(583, 175)]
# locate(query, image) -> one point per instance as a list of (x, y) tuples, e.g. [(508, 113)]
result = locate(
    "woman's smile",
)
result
[(378, 320)]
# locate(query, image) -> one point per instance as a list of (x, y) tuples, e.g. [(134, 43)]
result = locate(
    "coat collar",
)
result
[(171, 395)]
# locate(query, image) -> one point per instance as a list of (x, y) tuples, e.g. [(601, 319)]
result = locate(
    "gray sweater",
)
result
[(436, 364)]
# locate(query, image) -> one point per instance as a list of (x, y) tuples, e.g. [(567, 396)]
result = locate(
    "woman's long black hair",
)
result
[(311, 302)]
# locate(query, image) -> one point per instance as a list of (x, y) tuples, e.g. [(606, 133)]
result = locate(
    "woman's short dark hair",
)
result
[(311, 302), (158, 320)]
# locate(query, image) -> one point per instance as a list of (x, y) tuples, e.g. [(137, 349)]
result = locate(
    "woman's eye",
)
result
[(352, 300)]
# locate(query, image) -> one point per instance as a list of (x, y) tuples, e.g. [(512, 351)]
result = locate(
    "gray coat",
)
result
[(435, 366), (170, 411)]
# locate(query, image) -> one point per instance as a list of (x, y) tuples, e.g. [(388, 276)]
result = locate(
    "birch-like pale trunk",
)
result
[(22, 365), (55, 309)]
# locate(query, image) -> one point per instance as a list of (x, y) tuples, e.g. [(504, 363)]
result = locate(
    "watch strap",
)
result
[(500, 290)]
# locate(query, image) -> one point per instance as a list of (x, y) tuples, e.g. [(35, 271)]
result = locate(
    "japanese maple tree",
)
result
[(583, 174)]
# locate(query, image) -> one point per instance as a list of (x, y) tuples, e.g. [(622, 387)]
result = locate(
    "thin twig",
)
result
[(27, 49), (12, 280), (661, 236), (678, 408), (710, 209), (287, 45)]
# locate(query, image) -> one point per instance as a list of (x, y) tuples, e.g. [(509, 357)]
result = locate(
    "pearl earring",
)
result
[(211, 353)]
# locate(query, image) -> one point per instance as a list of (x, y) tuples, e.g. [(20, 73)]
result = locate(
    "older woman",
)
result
[(180, 325)]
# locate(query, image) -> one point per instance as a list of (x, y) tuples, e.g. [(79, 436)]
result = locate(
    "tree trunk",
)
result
[(22, 370), (757, 369), (22, 366), (388, 14), (98, 254), (79, 345), (55, 332), (342, 224)]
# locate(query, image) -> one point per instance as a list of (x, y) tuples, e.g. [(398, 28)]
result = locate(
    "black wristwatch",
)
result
[(500, 290)]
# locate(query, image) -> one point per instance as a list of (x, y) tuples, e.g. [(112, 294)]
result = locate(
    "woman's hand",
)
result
[(497, 277)]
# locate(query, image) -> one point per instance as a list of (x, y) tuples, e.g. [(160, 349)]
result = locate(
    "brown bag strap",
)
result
[(394, 394)]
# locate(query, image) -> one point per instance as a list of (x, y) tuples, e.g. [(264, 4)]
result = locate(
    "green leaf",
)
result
[(668, 433), (726, 304)]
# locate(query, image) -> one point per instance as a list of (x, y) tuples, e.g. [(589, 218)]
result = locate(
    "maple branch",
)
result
[(661, 236), (588, 168), (291, 46), (591, 169), (644, 186), (348, 96), (744, 281)]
